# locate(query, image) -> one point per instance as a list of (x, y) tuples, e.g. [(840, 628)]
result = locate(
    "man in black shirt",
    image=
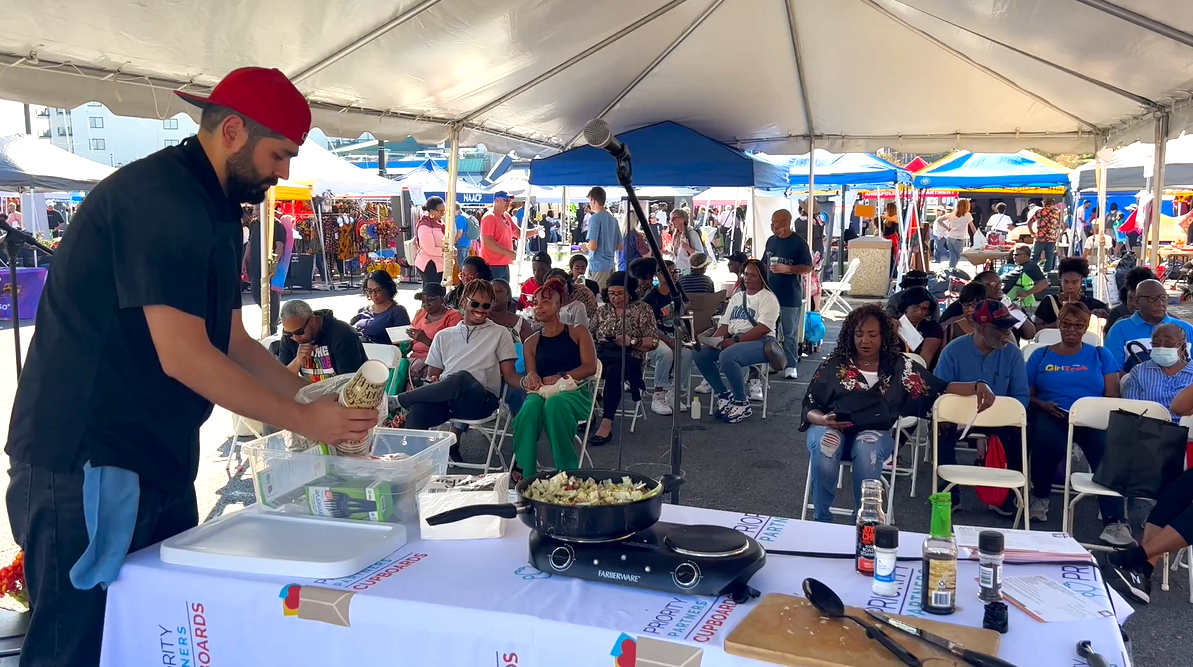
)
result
[(788, 259), (315, 345), (253, 267), (138, 334), (55, 221)]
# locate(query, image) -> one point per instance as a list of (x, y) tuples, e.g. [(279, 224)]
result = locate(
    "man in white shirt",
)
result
[(465, 367)]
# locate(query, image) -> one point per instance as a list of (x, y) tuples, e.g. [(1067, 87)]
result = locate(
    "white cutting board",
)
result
[(264, 542)]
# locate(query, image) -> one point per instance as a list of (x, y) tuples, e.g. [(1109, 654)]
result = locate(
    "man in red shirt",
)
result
[(498, 232)]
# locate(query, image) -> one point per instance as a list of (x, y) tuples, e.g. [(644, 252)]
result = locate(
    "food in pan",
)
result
[(563, 489)]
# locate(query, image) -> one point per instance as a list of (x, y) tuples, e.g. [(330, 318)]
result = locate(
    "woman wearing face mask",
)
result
[(473, 268), (429, 234), (1167, 374), (1057, 376)]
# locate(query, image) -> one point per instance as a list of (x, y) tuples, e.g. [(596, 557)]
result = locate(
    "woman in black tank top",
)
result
[(555, 353)]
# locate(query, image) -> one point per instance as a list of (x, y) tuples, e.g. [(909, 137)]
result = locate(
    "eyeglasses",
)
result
[(485, 305), (373, 291), (1073, 326), (299, 331), (1152, 298)]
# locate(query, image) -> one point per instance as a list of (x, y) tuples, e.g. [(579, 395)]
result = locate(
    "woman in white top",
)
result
[(960, 226), (1000, 224), (685, 240), (746, 327)]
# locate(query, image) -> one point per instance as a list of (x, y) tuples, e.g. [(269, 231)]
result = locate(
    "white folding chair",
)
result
[(905, 429), (1184, 557), (250, 425), (495, 427), (1091, 338), (1005, 412), (386, 354), (587, 423), (887, 484), (1030, 348), (1094, 412), (764, 379), (834, 291), (633, 415), (1047, 336)]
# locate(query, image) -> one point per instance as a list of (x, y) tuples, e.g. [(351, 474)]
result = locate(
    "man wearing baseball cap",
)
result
[(986, 357), (498, 233), (138, 334)]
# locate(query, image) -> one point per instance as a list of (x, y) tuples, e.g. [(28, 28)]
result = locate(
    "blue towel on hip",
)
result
[(111, 497)]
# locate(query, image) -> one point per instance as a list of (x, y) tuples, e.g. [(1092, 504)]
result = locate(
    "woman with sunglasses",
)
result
[(429, 320), (623, 329), (473, 268), (428, 235), (382, 312), (554, 353)]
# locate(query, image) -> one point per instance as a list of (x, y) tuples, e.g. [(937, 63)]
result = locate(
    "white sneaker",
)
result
[(755, 390), (791, 373), (659, 404), (683, 405), (703, 387), (1038, 509), (1118, 534)]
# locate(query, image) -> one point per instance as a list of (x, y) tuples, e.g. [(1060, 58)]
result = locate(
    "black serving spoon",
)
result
[(828, 603)]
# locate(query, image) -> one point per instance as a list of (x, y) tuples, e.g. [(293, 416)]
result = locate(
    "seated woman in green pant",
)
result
[(555, 352)]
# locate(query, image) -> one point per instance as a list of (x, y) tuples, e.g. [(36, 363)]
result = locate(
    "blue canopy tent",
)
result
[(837, 169), (433, 179), (665, 154), (992, 171)]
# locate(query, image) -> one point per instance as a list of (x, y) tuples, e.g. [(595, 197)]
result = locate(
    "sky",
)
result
[(12, 118)]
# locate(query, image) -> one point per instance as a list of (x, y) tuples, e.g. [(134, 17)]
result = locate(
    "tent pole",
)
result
[(318, 208), (520, 245), (565, 228), (449, 223), (902, 268), (841, 235), (1100, 157), (811, 206), (268, 261), (1153, 244)]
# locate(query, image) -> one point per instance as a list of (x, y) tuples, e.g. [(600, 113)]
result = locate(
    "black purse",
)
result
[(866, 410), (1143, 454)]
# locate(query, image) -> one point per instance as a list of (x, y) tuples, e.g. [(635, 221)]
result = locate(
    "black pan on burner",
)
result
[(593, 523)]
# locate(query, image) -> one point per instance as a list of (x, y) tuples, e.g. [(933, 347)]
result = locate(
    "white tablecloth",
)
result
[(480, 603)]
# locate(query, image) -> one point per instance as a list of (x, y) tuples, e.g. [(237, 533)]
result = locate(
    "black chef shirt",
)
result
[(158, 232)]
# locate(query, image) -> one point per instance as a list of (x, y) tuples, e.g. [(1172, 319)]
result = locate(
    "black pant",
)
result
[(946, 446), (455, 396), (275, 303), (1049, 438), (1174, 507), (45, 510), (431, 275), (611, 374)]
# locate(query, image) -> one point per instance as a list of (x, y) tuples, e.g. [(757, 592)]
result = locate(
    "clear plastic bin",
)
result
[(290, 481)]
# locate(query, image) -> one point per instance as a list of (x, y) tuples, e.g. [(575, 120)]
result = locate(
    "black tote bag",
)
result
[(1143, 454)]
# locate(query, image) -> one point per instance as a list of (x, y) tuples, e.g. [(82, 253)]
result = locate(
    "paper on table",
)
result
[(1049, 601), (397, 334), (1023, 540), (909, 334)]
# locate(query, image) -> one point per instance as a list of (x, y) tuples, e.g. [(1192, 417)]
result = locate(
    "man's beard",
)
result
[(245, 184)]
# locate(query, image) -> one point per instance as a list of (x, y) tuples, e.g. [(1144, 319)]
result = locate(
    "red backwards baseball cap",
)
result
[(264, 96)]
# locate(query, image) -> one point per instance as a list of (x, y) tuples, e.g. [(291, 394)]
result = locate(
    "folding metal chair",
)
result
[(834, 291), (494, 427)]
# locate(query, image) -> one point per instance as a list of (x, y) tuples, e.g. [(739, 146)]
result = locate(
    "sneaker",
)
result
[(1131, 584), (1038, 509), (683, 405), (791, 373), (755, 390), (721, 403), (703, 387), (737, 412), (1118, 534), (659, 404)]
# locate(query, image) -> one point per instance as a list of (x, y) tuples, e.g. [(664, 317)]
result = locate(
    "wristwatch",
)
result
[(635, 342), (735, 338)]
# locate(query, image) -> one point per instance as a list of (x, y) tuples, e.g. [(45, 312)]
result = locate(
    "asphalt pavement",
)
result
[(757, 466)]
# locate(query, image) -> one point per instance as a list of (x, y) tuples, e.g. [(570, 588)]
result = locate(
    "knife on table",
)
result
[(972, 657)]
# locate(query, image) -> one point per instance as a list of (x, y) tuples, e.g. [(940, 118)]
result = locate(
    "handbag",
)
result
[(1137, 353), (1143, 454), (867, 410), (770, 347)]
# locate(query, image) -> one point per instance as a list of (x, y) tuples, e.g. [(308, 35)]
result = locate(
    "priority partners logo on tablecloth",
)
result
[(186, 644), (765, 529), (375, 573), (648, 652)]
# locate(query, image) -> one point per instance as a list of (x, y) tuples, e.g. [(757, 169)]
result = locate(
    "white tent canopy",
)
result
[(323, 171), (763, 74)]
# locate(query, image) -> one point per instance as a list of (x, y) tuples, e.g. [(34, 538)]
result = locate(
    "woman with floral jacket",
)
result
[(867, 380)]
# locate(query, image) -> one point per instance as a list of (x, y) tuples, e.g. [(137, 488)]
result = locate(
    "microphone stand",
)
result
[(13, 240), (624, 178)]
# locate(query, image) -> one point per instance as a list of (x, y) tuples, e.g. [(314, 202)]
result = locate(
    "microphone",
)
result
[(598, 135)]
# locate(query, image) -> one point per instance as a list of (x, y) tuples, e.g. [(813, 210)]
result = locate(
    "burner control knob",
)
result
[(686, 575), (561, 558)]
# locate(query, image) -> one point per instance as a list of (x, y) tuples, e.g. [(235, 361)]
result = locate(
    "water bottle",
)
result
[(695, 407)]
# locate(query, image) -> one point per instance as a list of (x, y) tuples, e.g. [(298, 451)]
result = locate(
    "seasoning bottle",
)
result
[(869, 515), (886, 551), (939, 576), (990, 553)]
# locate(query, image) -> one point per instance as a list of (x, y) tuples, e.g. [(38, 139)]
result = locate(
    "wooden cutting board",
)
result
[(787, 630)]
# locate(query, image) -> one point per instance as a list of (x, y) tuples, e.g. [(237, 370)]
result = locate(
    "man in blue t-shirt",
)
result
[(1151, 300), (986, 356), (463, 243), (604, 238), (787, 259)]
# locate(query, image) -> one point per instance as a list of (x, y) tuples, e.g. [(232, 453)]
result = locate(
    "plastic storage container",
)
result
[(364, 488)]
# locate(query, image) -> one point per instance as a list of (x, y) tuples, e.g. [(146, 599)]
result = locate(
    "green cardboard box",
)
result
[(361, 500)]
